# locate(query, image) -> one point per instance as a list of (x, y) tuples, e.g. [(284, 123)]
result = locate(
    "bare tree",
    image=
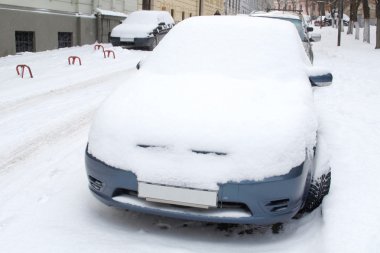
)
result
[(294, 4), (279, 4), (285, 4), (366, 32), (351, 24), (354, 6), (378, 24)]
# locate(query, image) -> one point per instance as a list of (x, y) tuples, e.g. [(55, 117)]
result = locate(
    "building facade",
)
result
[(181, 9), (234, 7), (50, 24)]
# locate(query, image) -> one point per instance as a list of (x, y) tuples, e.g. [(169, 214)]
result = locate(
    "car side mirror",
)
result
[(321, 80), (315, 37), (309, 29)]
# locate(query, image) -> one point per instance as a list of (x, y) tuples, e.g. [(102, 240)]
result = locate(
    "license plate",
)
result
[(177, 195), (127, 39)]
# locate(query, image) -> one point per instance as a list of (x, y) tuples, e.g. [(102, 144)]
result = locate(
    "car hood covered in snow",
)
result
[(201, 132), (192, 118)]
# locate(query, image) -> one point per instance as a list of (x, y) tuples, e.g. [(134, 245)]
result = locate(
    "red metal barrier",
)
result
[(97, 47), (108, 53), (23, 66), (72, 60)]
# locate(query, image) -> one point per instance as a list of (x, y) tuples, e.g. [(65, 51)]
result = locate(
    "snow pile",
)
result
[(140, 23), (244, 109)]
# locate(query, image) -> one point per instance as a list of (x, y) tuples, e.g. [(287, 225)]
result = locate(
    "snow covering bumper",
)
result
[(273, 200), (136, 43)]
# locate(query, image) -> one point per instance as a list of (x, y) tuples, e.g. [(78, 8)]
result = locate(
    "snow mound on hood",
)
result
[(254, 122)]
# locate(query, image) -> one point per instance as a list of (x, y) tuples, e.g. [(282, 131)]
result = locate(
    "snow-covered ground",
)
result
[(47, 207)]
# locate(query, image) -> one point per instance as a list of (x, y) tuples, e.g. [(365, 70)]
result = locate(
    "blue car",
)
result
[(219, 126)]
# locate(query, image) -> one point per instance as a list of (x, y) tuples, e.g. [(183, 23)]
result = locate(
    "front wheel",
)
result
[(319, 188)]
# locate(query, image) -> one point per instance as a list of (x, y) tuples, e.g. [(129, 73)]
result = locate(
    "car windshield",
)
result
[(213, 40)]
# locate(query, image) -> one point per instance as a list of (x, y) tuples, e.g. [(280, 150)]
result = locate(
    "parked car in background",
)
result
[(307, 19), (218, 132), (298, 21), (327, 20), (142, 29)]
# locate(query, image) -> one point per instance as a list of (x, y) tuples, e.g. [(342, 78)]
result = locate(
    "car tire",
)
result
[(319, 188)]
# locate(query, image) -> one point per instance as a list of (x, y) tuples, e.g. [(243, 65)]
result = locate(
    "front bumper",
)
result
[(273, 200), (136, 43)]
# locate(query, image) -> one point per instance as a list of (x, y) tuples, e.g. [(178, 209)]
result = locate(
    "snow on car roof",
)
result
[(149, 17), (202, 120), (276, 14), (202, 45)]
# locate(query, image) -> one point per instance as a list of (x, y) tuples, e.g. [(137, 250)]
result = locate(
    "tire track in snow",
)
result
[(35, 99), (67, 128)]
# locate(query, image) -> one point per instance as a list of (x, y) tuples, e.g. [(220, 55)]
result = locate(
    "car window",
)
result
[(296, 22)]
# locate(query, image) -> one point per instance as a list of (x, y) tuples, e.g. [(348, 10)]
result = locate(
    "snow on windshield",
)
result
[(252, 46)]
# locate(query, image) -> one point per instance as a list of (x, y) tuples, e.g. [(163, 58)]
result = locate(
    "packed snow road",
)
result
[(47, 207)]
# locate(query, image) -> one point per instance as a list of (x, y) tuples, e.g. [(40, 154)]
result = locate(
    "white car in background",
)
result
[(142, 29)]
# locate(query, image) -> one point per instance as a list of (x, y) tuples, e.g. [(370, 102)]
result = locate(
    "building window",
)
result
[(65, 39), (146, 4), (172, 13), (191, 14), (24, 41), (183, 15)]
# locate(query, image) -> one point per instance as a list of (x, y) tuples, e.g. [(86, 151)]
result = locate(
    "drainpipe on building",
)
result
[(78, 24), (200, 7), (99, 31), (79, 31)]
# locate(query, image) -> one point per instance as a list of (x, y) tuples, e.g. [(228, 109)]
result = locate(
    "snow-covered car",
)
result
[(142, 29), (327, 20), (302, 27), (218, 132)]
